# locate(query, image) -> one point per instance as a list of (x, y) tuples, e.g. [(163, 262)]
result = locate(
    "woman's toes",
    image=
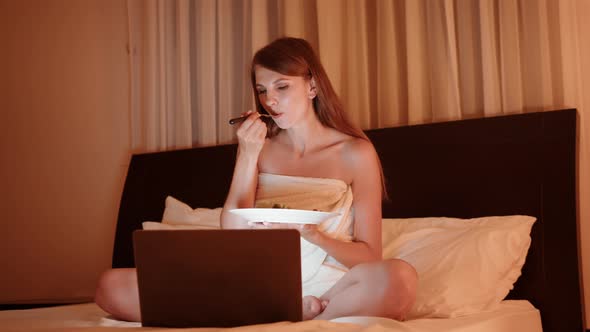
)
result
[(311, 307), (324, 305)]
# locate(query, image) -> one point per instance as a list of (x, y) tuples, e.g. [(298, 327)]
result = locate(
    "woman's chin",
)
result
[(282, 124)]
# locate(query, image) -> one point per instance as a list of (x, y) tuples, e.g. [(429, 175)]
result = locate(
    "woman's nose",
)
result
[(270, 99)]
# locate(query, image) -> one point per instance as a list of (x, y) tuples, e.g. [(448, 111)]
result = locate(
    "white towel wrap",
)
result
[(319, 271)]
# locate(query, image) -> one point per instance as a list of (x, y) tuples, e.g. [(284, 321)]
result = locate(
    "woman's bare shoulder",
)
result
[(358, 150)]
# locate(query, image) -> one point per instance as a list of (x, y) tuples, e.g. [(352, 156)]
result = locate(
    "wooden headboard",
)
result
[(514, 164)]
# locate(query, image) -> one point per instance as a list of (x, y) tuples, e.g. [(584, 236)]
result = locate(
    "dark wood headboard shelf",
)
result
[(513, 164)]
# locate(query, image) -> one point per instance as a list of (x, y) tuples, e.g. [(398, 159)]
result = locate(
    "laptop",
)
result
[(218, 278)]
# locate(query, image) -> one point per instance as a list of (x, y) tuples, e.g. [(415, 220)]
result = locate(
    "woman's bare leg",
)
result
[(117, 294), (386, 289)]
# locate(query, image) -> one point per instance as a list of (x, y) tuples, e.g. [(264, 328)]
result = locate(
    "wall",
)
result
[(64, 146), (583, 22)]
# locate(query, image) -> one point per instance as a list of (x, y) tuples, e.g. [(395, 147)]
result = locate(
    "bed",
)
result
[(522, 164)]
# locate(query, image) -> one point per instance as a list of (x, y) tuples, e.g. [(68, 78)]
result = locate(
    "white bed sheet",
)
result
[(511, 316)]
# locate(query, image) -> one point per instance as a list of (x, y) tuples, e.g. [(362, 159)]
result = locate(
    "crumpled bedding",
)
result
[(511, 316)]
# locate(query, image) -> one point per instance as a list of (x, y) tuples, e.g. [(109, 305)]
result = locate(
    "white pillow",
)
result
[(154, 225), (178, 215), (464, 265), (177, 212)]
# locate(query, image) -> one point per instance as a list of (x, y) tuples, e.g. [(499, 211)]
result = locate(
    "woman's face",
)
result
[(286, 98)]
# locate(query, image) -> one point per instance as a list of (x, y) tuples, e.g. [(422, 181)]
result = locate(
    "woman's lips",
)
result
[(274, 114)]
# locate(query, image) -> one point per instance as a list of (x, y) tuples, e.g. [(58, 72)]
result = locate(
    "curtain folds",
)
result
[(392, 62)]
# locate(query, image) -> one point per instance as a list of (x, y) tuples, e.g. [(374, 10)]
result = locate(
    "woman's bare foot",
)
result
[(312, 306)]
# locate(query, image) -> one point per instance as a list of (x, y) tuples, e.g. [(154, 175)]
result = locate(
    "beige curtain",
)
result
[(392, 62)]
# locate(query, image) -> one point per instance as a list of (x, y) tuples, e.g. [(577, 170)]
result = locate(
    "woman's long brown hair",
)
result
[(295, 57)]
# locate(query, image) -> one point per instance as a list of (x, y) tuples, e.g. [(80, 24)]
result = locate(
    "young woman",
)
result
[(308, 156), (310, 148)]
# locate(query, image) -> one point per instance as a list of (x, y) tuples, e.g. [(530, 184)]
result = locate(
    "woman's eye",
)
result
[(283, 87), (261, 92)]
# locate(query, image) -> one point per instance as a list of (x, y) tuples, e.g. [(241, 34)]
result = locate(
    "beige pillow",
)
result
[(464, 265), (179, 215), (154, 225), (177, 212)]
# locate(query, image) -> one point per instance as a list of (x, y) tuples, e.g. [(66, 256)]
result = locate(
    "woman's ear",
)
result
[(312, 89)]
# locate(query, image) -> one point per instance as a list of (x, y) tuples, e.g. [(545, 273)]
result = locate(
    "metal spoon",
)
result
[(242, 118)]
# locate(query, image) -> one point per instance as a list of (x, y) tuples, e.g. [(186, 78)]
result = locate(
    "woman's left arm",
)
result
[(363, 163)]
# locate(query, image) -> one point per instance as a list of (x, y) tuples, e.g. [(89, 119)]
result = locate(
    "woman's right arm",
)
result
[(242, 192)]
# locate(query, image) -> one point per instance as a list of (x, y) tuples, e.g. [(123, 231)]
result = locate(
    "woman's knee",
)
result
[(402, 286), (392, 285), (113, 285), (105, 289), (402, 272)]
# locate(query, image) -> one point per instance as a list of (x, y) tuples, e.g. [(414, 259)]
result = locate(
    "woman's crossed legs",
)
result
[(384, 288)]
